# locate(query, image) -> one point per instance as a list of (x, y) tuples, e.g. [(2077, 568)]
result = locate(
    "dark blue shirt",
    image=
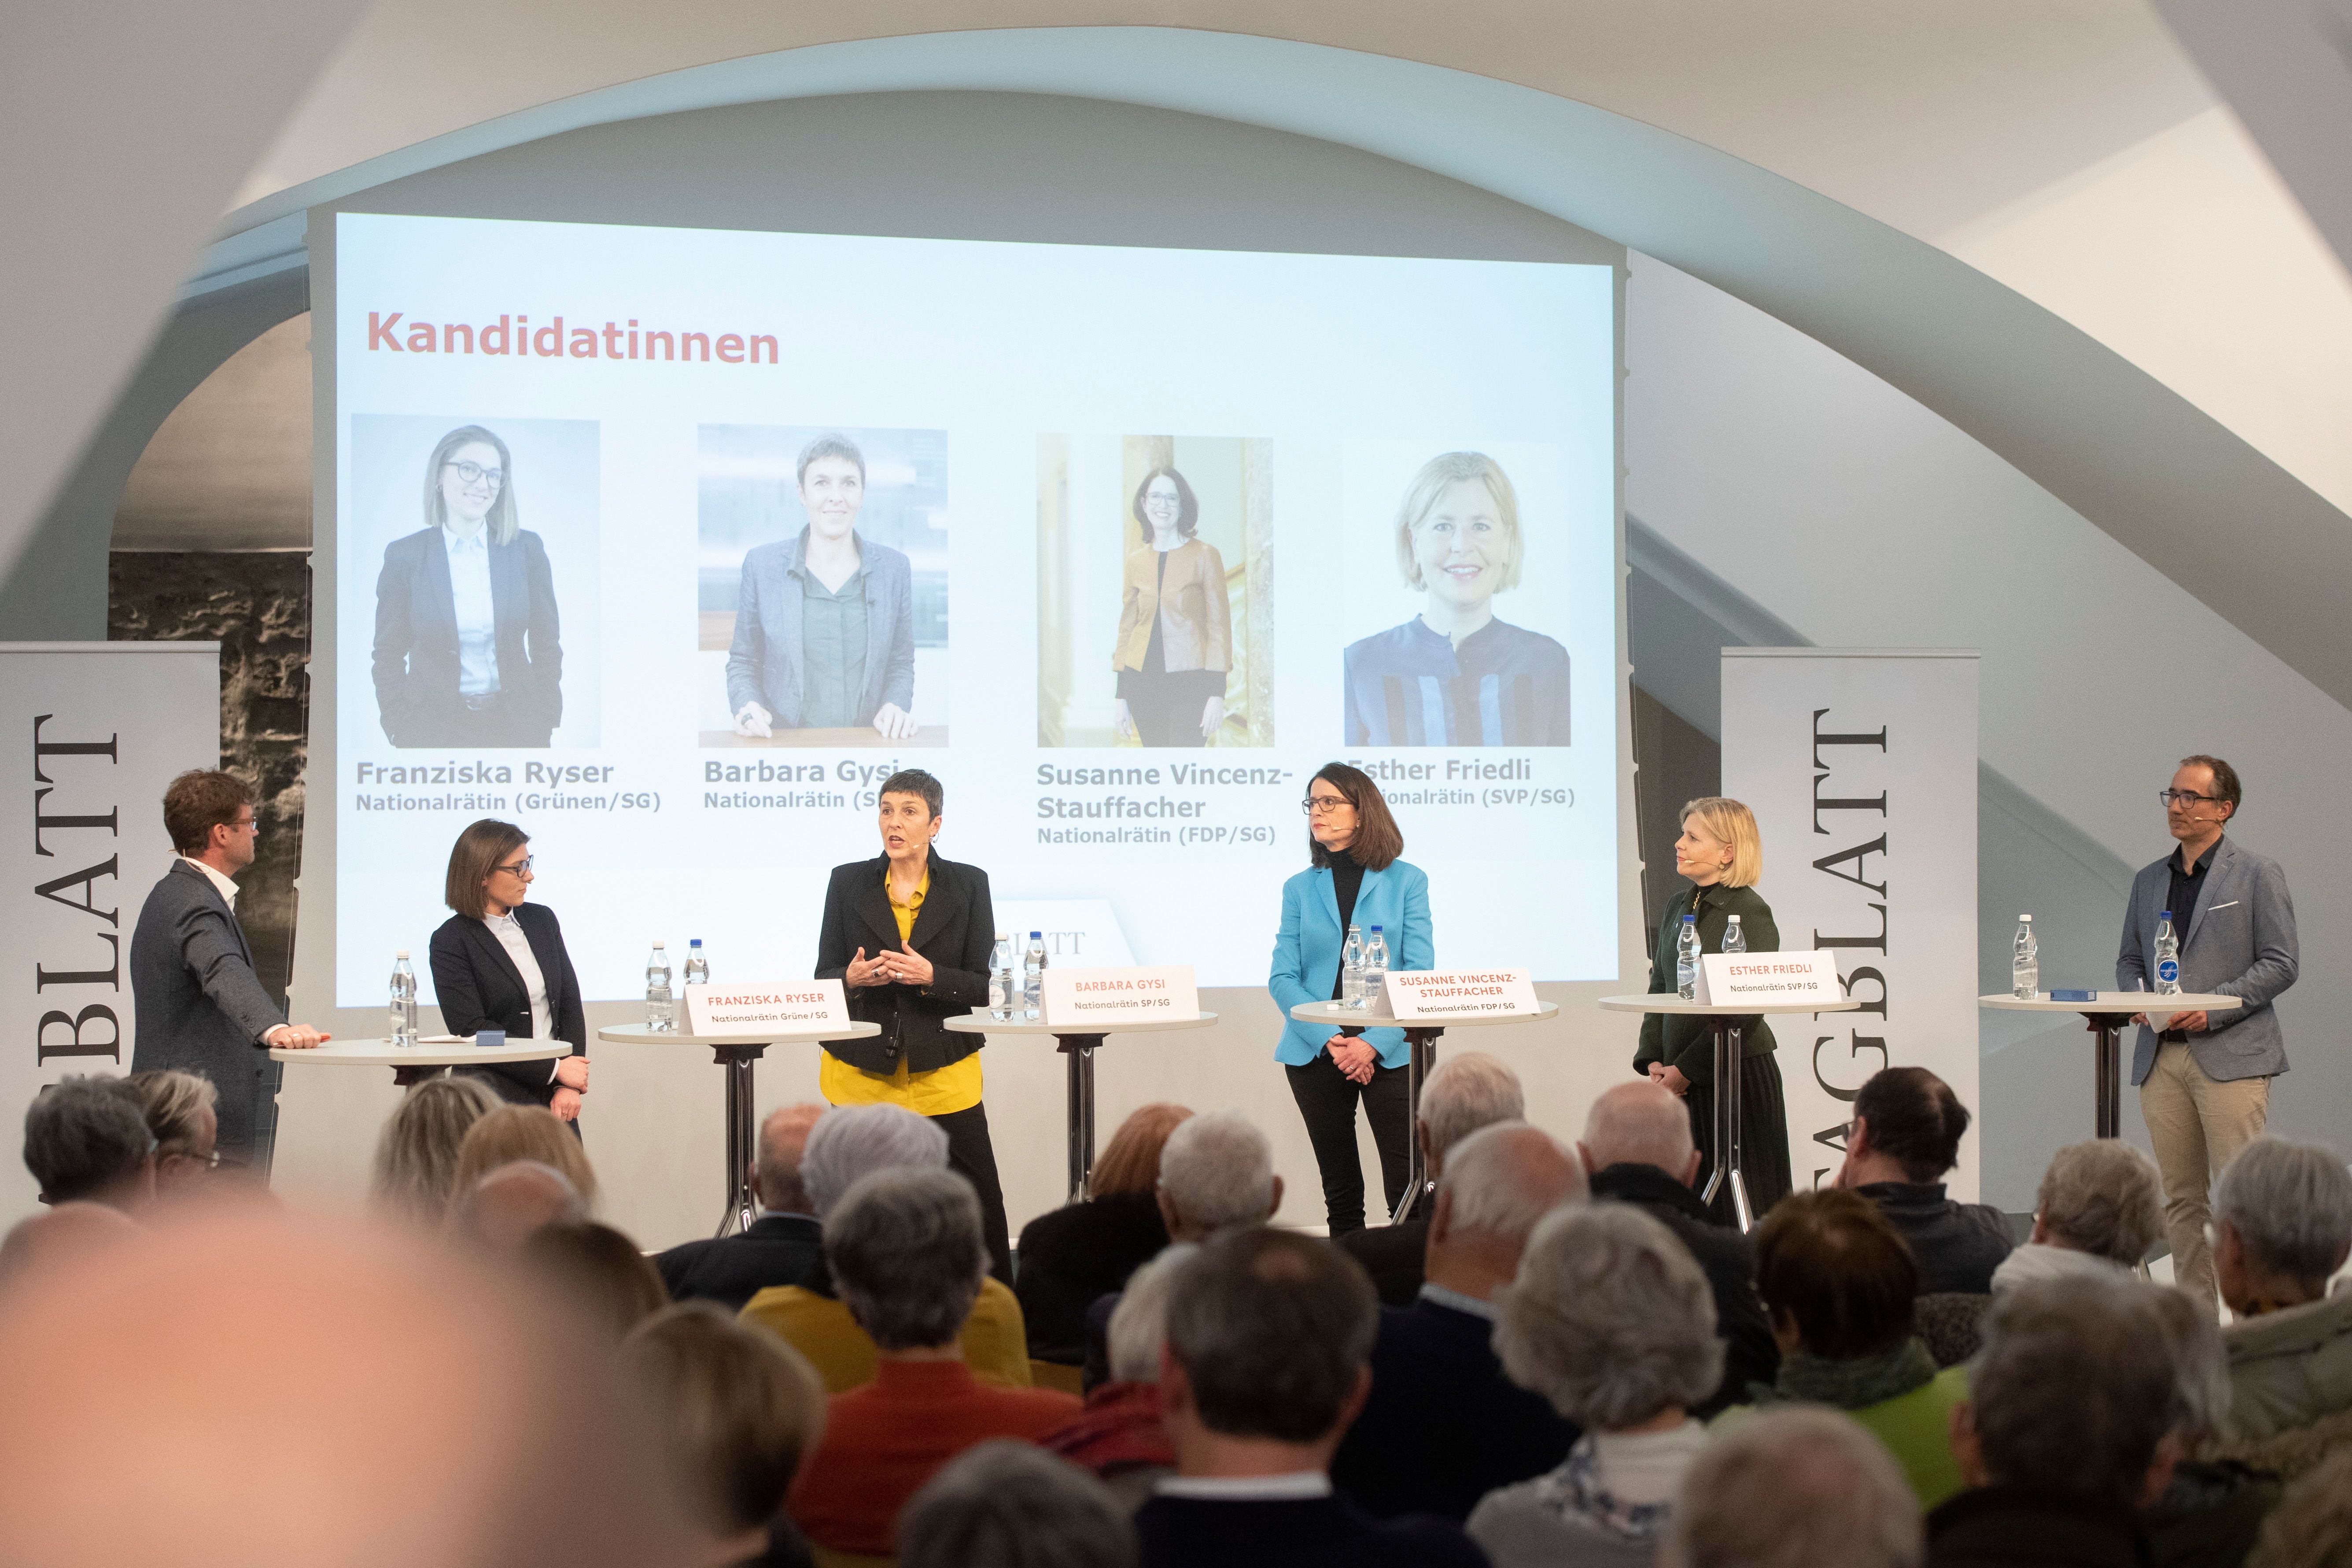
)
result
[(1408, 686)]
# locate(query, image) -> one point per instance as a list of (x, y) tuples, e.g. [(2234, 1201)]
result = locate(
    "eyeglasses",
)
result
[(1323, 805), (475, 474), (2188, 797), (246, 825), (518, 868), (209, 1162)]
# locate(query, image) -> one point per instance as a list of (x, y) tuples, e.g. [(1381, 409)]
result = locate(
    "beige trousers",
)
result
[(2198, 1126)]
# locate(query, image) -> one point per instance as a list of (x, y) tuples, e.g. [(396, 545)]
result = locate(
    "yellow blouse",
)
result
[(940, 1092)]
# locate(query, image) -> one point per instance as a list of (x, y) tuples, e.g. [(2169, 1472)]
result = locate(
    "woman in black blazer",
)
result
[(498, 963), (908, 935), (468, 649)]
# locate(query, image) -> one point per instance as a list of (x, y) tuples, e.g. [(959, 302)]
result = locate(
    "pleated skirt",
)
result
[(1763, 1137)]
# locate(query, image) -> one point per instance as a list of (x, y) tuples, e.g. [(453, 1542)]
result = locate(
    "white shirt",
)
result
[(1298, 1486), (1648, 1469), (477, 616), (510, 932), (227, 889)]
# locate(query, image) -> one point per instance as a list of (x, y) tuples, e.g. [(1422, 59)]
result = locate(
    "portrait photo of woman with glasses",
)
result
[(468, 649), (498, 963)]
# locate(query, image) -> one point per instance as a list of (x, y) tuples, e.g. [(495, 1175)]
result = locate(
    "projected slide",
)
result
[(670, 545)]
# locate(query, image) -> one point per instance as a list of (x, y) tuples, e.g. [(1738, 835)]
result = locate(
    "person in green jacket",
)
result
[(1721, 854), (1842, 1287)]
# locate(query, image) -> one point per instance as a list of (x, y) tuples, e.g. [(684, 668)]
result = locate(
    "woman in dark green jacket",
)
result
[(1721, 854)]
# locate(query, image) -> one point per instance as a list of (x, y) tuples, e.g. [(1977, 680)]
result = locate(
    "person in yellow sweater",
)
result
[(908, 934)]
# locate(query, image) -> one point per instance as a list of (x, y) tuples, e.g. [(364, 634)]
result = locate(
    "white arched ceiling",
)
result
[(2163, 478)]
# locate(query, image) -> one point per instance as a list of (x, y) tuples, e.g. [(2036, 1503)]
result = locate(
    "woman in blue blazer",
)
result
[(1355, 879)]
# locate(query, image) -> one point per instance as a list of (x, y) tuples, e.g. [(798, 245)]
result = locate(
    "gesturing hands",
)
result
[(1353, 1057)]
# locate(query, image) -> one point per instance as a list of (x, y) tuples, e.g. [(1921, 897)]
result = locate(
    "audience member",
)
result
[(2211, 1512), (1908, 1125), (245, 1389), (905, 1250), (2099, 1211), (1005, 1505), (2067, 1430), (848, 1144), (513, 1132), (505, 1208), (1842, 1287), (1611, 1321), (182, 1116), (86, 1140), (1119, 1436), (600, 1271), (1216, 1174), (1796, 1488), (2313, 1527), (784, 1245), (2281, 1225), (415, 1176), (1073, 1256), (1637, 1149), (67, 1235), (737, 1411), (1442, 1426), (1269, 1336), (1466, 1092)]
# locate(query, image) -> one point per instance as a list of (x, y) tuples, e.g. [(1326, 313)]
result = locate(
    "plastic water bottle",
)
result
[(1000, 978), (1376, 965), (1351, 969), (1734, 939), (1033, 978), (2025, 968), (1686, 958), (2168, 957), (661, 1010), (404, 1001), (697, 968)]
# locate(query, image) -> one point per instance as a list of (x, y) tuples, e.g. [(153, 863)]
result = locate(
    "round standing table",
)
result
[(736, 1053), (409, 1063), (1421, 1040), (2108, 1011), (1078, 1090), (1718, 1016)]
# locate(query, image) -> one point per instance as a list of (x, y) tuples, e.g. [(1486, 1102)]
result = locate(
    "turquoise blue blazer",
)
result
[(1306, 950)]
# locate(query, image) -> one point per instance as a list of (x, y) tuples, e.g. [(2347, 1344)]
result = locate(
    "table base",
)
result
[(1420, 1045), (1726, 1124), (743, 1195), (1078, 1107), (2106, 1074)]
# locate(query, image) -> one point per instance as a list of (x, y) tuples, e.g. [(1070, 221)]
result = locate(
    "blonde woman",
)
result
[(417, 1154), (532, 1133), (1454, 675), (1723, 859)]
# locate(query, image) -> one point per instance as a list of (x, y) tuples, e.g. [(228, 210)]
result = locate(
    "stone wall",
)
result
[(257, 606)]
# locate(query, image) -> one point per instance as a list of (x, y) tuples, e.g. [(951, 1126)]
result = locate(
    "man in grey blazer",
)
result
[(199, 1006), (2205, 1081)]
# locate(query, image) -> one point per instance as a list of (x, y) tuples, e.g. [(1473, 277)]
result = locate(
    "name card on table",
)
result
[(1137, 994), (1726, 977), (784, 1007), (1450, 993)]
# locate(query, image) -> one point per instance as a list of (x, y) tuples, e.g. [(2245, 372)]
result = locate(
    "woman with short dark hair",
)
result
[(498, 963), (1353, 877)]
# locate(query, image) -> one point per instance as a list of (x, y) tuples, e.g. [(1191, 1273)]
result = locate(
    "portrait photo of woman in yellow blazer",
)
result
[(1175, 642)]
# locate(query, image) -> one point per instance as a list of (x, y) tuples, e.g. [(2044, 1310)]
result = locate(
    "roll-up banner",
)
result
[(98, 730), (1861, 766)]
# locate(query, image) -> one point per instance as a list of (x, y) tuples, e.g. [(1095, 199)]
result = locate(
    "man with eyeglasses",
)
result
[(2205, 1079), (200, 1006)]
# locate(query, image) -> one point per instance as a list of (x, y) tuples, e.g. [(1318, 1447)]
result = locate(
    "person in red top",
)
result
[(904, 1246), (1120, 1436)]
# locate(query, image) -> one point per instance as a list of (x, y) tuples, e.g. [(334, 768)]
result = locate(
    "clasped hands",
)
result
[(904, 967), (755, 722), (1669, 1079), (1354, 1057)]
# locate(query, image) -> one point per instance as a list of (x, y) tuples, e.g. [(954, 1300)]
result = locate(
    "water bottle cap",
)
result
[(1734, 920), (658, 948), (402, 953), (1376, 928), (1690, 919), (2025, 920), (696, 942), (1035, 935), (2166, 915)]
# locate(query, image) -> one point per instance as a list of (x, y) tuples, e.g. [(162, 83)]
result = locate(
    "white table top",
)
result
[(977, 1022), (1340, 1017), (639, 1035), (384, 1054), (1668, 1002), (2113, 1002)]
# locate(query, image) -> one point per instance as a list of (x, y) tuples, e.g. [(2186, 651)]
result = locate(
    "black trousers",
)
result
[(971, 1155), (1763, 1138), (500, 725), (1326, 1099), (1167, 708)]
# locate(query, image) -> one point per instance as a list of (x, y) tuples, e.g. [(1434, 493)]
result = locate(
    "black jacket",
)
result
[(779, 1249), (1750, 1354), (479, 987), (1957, 1245), (2010, 1527), (1442, 1426), (1393, 1255), (1685, 1042), (1073, 1255), (415, 663), (1192, 1532), (955, 928)]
